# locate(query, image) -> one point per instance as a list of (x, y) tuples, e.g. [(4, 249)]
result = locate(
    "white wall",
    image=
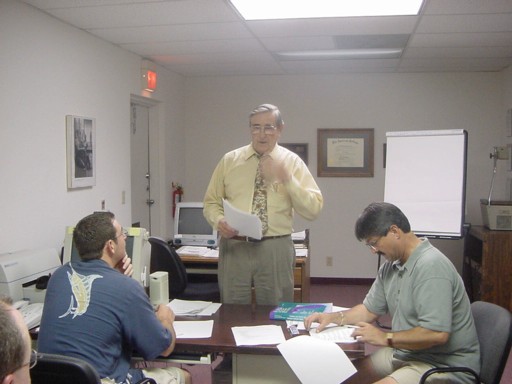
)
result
[(50, 70), (217, 110)]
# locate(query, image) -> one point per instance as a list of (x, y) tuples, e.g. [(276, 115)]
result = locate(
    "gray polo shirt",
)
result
[(428, 292)]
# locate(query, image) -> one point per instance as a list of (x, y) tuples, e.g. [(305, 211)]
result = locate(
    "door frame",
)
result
[(154, 161)]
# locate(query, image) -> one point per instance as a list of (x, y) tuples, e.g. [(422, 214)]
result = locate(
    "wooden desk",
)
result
[(208, 265), (487, 266), (251, 364)]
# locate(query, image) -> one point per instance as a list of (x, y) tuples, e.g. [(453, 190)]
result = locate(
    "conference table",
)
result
[(251, 364)]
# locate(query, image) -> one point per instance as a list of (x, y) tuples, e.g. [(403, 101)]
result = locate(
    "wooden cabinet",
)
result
[(487, 266)]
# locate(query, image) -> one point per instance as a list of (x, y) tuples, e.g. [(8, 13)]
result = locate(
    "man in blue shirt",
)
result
[(94, 311)]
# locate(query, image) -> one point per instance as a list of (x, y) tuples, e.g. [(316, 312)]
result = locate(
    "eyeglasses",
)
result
[(124, 233), (373, 244), (268, 129), (32, 362)]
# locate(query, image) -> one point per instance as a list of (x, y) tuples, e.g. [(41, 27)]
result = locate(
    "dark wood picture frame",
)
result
[(345, 152), (300, 149)]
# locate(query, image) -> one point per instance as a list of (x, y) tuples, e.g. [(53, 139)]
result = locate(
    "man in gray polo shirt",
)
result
[(419, 287)]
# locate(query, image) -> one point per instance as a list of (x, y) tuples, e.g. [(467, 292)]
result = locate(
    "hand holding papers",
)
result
[(245, 223)]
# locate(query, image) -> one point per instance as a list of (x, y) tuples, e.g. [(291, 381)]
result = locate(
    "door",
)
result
[(140, 167)]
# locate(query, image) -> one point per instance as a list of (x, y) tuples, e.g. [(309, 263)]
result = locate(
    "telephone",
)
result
[(31, 312)]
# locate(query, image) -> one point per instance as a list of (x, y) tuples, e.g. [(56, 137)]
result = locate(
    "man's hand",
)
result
[(324, 319), (274, 171), (225, 229), (370, 334), (125, 266)]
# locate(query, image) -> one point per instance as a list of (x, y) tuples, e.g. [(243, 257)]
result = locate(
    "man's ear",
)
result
[(9, 379), (110, 247)]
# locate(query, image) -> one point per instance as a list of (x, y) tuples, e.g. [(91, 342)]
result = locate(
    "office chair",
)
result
[(61, 369), (165, 258), (494, 328)]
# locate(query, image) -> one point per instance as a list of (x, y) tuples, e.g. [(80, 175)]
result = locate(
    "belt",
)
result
[(253, 240)]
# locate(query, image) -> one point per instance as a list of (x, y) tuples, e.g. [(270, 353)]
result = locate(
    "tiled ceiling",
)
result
[(209, 38)]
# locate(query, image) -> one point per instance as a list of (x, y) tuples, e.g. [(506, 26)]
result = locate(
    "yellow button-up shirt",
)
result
[(233, 180)]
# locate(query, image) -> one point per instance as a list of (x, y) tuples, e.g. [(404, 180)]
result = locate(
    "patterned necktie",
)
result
[(259, 202)]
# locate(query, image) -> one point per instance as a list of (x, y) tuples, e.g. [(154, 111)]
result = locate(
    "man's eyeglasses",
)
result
[(124, 233), (267, 129), (373, 244), (32, 362)]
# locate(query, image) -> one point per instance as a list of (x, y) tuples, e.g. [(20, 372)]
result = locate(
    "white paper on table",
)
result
[(193, 329), (193, 307), (247, 224), (258, 335), (311, 359)]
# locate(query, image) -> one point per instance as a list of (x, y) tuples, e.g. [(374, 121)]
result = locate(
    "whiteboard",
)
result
[(426, 179)]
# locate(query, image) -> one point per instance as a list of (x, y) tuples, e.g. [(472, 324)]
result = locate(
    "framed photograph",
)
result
[(81, 151), (345, 152), (300, 149)]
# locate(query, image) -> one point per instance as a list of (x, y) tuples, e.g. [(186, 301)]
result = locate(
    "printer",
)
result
[(20, 270)]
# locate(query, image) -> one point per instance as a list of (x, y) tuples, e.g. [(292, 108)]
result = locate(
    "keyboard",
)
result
[(32, 314)]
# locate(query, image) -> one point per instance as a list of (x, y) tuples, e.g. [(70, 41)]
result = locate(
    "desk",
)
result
[(208, 265), (251, 364)]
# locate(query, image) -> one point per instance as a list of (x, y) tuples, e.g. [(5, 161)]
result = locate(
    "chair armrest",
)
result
[(433, 371)]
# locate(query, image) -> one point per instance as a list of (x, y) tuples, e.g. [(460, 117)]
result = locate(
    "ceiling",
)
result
[(209, 38)]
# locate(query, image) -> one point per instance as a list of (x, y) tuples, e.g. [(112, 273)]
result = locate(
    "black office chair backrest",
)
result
[(60, 369), (494, 328), (165, 258)]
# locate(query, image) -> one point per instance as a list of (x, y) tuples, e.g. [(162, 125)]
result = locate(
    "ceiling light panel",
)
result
[(293, 9)]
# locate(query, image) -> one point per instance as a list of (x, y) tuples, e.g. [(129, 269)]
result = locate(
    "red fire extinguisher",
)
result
[(177, 195)]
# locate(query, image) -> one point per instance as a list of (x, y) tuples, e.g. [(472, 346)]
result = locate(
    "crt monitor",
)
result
[(137, 248), (190, 226)]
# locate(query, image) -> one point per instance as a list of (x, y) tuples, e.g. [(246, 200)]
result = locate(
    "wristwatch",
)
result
[(389, 337)]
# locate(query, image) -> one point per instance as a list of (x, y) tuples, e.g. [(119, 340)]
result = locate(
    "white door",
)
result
[(141, 172)]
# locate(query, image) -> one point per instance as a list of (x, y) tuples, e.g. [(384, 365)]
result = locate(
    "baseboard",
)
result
[(341, 280)]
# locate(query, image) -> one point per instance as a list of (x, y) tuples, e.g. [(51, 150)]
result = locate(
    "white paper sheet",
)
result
[(245, 223), (258, 335), (193, 307), (335, 333), (193, 329), (312, 359)]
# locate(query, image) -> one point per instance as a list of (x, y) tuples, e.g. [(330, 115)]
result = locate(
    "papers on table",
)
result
[(311, 359), (336, 334), (193, 308), (193, 329), (245, 223), (197, 251), (258, 335)]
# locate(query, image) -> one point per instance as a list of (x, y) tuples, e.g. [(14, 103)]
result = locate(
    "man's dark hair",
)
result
[(92, 232), (12, 345), (377, 218)]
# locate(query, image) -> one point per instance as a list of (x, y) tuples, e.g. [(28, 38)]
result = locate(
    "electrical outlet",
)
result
[(502, 153), (329, 261)]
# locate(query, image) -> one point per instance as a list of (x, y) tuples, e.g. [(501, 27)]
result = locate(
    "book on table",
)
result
[(298, 311)]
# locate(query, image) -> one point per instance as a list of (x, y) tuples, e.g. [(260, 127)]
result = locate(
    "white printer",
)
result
[(20, 270)]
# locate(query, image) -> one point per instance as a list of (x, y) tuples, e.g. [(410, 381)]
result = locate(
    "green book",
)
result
[(298, 311)]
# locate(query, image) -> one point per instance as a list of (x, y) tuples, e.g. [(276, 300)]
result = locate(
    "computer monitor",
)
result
[(190, 226), (137, 248)]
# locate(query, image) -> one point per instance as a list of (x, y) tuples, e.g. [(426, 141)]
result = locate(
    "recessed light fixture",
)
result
[(299, 9), (340, 54)]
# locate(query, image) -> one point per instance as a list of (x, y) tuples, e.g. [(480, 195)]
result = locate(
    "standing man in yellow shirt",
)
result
[(287, 187)]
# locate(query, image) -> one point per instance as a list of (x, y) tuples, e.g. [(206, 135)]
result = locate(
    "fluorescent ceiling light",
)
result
[(381, 53), (299, 9)]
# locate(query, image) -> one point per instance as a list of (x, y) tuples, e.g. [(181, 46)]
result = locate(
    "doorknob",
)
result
[(150, 201)]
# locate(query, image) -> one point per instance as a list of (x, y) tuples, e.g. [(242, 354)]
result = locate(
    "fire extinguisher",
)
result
[(177, 195)]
